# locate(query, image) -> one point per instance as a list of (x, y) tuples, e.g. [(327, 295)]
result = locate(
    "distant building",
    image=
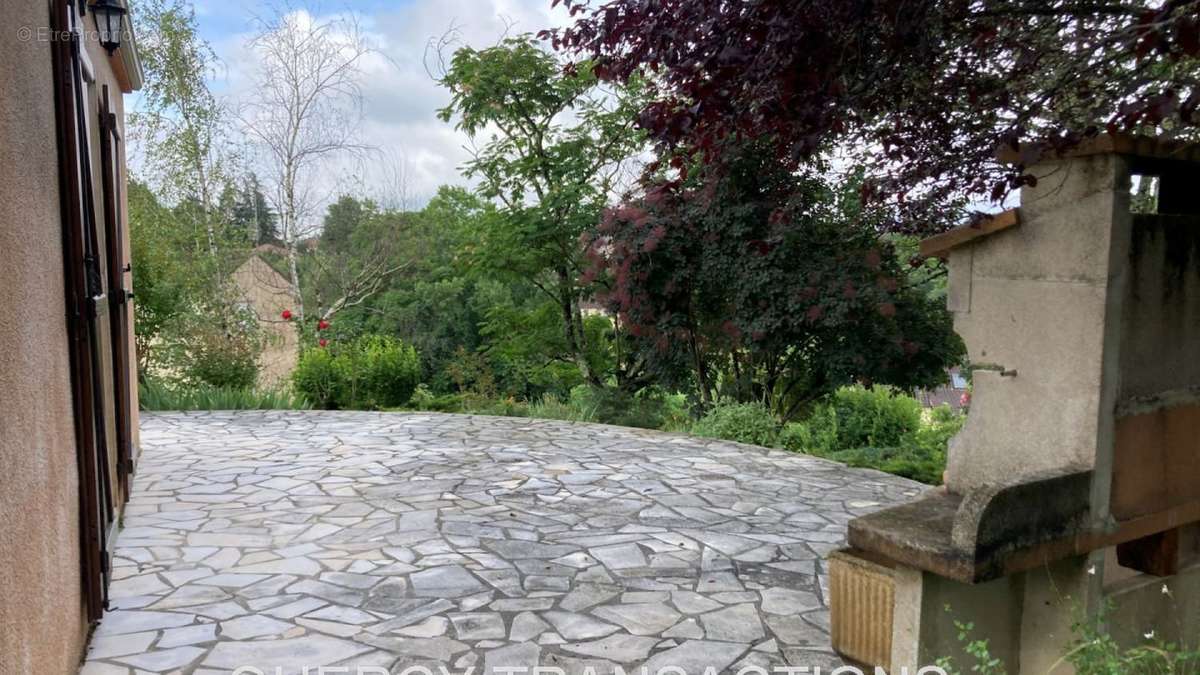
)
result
[(267, 293), (954, 394)]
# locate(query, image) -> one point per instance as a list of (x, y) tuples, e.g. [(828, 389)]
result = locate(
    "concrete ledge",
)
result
[(986, 534), (1145, 147)]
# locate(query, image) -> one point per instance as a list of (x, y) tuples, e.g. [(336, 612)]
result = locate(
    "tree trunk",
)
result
[(700, 365), (572, 331)]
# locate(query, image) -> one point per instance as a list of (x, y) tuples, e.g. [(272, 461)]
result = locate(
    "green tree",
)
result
[(179, 119), (251, 215), (555, 146), (163, 271), (341, 219)]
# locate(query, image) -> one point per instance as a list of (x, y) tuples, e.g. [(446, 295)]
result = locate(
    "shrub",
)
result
[(387, 370), (919, 464), (647, 409), (368, 373), (155, 395), (471, 373), (220, 356), (750, 423), (549, 407), (816, 435), (879, 430), (317, 377), (875, 417), (424, 399)]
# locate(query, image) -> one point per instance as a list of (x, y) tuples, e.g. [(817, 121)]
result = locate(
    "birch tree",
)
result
[(179, 120), (304, 113)]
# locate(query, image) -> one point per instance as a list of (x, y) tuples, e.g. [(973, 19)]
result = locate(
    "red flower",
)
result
[(322, 324), (323, 342), (287, 315)]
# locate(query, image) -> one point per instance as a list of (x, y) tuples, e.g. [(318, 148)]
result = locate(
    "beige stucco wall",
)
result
[(41, 624), (42, 627), (1033, 305), (268, 293)]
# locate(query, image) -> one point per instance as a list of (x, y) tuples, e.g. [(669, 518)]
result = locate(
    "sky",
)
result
[(400, 98)]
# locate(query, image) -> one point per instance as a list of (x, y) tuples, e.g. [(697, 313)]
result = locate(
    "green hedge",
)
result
[(155, 395), (750, 423), (879, 429), (370, 373)]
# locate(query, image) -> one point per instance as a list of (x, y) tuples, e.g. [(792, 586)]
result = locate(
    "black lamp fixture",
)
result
[(110, 22)]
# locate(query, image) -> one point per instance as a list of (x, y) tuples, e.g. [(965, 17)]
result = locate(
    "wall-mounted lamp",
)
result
[(110, 22)]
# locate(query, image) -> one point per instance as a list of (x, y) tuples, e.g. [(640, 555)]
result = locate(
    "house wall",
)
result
[(41, 606), (268, 293), (42, 625)]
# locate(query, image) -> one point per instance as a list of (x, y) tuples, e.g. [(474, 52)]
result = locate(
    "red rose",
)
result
[(287, 315), (322, 324), (323, 342)]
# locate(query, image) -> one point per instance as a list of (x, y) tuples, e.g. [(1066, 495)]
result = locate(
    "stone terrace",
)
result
[(301, 539)]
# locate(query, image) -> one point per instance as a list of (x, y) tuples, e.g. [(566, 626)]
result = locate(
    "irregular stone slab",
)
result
[(252, 626), (438, 648), (451, 581), (788, 601), (690, 602), (286, 655), (478, 626), (588, 595), (579, 626), (189, 596), (517, 550), (620, 648), (525, 656), (526, 626), (422, 610), (120, 645), (188, 635), (294, 609), (739, 623), (642, 619), (619, 557), (434, 626), (569, 665), (133, 621), (688, 628), (695, 656), (794, 630), (343, 614), (163, 660)]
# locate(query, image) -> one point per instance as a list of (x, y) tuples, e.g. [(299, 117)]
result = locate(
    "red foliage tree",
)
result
[(764, 285), (921, 91)]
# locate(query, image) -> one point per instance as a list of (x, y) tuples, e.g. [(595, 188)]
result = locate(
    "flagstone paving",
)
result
[(303, 539)]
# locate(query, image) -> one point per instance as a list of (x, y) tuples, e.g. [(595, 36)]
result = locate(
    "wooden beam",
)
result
[(1157, 554), (939, 246)]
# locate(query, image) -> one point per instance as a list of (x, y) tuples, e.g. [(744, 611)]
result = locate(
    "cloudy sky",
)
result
[(400, 99)]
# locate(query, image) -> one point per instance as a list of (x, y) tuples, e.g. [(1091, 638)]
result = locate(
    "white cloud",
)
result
[(400, 99)]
